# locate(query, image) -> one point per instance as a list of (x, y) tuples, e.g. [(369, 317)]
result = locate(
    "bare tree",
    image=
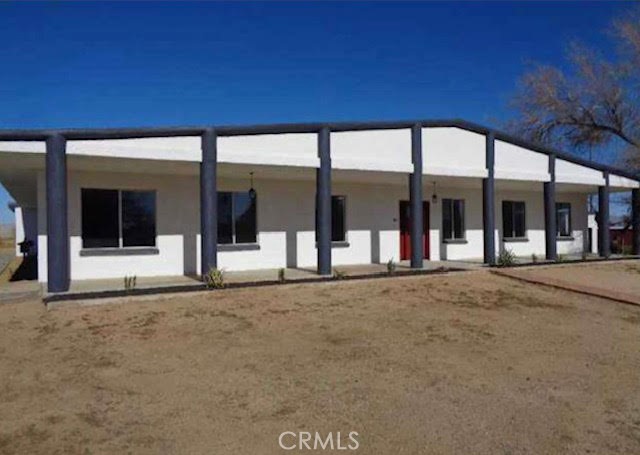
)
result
[(594, 104)]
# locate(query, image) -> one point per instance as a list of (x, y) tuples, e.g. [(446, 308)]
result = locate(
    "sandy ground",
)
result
[(466, 363), (620, 278)]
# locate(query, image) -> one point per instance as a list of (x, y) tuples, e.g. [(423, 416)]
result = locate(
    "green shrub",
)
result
[(561, 258), (281, 275), (339, 274), (214, 279), (391, 267), (506, 258), (534, 258), (130, 282)]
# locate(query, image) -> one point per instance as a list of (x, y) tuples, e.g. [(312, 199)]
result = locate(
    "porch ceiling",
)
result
[(235, 170), (575, 188), (19, 175)]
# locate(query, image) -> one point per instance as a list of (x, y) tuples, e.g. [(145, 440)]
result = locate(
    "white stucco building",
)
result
[(110, 203)]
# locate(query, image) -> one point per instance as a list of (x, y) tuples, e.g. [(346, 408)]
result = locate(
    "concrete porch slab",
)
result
[(18, 291), (91, 289)]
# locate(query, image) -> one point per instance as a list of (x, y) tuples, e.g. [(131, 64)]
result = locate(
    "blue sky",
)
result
[(136, 64)]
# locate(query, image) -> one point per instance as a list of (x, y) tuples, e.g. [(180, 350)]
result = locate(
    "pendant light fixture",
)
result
[(252, 192), (434, 196)]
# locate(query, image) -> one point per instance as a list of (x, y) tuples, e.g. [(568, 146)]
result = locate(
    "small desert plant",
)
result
[(391, 267), (626, 250), (281, 276), (561, 258), (534, 258), (214, 279), (506, 258), (130, 282), (584, 256), (339, 274)]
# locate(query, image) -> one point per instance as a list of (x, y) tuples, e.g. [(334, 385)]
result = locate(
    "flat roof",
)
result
[(283, 128)]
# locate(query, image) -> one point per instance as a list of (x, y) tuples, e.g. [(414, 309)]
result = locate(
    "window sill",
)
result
[(455, 241), (238, 246), (342, 244), (515, 239), (565, 239), (127, 251)]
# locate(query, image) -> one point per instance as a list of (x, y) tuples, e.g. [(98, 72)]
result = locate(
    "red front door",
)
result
[(405, 229)]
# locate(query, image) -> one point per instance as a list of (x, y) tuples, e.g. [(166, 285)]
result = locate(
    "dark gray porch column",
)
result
[(415, 198), (57, 224), (604, 237), (209, 202), (550, 222), (635, 220), (488, 203), (323, 202)]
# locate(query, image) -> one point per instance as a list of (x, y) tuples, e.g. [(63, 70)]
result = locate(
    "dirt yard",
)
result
[(466, 363), (620, 279)]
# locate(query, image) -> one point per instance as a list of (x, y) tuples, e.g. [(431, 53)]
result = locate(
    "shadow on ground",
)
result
[(27, 270)]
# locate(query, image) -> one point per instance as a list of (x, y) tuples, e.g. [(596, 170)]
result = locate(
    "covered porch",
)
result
[(181, 202)]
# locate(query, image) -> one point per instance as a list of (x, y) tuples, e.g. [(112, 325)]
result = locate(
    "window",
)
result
[(563, 219), (513, 220), (237, 218), (453, 219), (117, 219), (338, 219)]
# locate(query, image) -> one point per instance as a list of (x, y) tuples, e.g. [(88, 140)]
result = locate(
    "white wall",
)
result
[(578, 223), (23, 146), (454, 152), (270, 149), (474, 246), (382, 150), (567, 172), (26, 224), (372, 223), (517, 163), (617, 181), (177, 203), (19, 225), (286, 221), (286, 224), (593, 225), (156, 148), (535, 232)]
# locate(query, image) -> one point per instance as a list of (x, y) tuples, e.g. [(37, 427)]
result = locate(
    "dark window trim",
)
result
[(455, 241), (462, 239), (238, 246), (515, 239), (230, 246), (336, 243), (570, 235), (117, 251), (344, 219), (105, 251)]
